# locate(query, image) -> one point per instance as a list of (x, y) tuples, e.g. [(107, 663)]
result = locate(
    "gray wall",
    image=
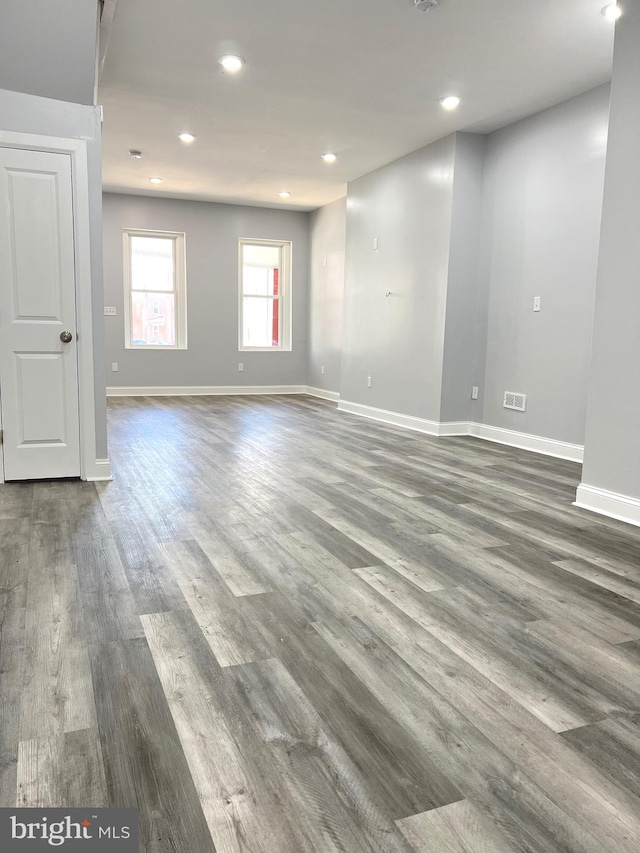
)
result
[(48, 48), (470, 229), (540, 227), (212, 232), (462, 286), (398, 340), (326, 294), (612, 455), (30, 114)]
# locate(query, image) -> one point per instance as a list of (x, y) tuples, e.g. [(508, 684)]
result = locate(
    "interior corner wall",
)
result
[(612, 455), (395, 294), (212, 233), (23, 113), (326, 294), (462, 285), (541, 210), (49, 48)]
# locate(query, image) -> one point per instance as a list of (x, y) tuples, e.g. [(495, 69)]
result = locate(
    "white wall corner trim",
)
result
[(525, 441), (99, 471), (406, 421), (202, 390), (621, 507), (334, 396)]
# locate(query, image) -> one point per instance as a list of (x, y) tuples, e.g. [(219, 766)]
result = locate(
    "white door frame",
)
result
[(77, 149)]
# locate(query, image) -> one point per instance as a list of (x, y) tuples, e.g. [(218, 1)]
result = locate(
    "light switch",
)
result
[(375, 244), (536, 303)]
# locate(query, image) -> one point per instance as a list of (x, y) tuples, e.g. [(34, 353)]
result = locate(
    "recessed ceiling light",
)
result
[(137, 155), (156, 180), (231, 62), (612, 11), (186, 137), (329, 158), (284, 194), (450, 102)]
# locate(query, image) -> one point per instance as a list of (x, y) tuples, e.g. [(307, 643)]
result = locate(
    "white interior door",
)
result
[(38, 369)]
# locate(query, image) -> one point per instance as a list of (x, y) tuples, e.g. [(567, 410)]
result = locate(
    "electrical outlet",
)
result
[(114, 366), (368, 382), (240, 366), (474, 392), (536, 303), (109, 311), (322, 370), (325, 262)]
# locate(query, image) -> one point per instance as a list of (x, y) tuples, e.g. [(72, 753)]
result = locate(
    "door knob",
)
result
[(66, 337)]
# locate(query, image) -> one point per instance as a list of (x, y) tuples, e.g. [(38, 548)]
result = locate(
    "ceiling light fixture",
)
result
[(231, 63), (284, 194), (186, 137), (425, 5), (612, 11), (329, 158), (450, 102), (137, 155), (156, 180)]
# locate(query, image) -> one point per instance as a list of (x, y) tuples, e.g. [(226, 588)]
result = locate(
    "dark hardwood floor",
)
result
[(284, 629)]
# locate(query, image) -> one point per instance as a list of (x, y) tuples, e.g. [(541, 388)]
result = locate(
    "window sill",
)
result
[(264, 349), (142, 347)]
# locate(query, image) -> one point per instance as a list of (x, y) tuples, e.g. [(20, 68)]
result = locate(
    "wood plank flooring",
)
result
[(284, 629)]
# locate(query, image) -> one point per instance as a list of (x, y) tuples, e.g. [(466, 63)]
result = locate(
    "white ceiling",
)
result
[(361, 78)]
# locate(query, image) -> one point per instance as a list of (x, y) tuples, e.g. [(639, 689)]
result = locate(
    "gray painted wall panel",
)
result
[(462, 286), (212, 232), (541, 218), (398, 340), (48, 48), (612, 454), (326, 294)]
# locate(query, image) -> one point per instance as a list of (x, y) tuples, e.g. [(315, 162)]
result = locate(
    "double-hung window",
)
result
[(265, 295), (155, 290)]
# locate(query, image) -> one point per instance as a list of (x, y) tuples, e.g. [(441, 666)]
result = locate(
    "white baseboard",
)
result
[(525, 441), (202, 390), (334, 396), (407, 421), (521, 440), (99, 471), (453, 428), (622, 507)]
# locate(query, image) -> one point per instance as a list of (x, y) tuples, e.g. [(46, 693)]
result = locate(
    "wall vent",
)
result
[(512, 400)]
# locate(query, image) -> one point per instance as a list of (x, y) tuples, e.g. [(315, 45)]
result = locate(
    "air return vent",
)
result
[(512, 400)]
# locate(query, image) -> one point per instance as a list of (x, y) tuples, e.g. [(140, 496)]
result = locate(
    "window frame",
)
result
[(179, 289), (284, 296)]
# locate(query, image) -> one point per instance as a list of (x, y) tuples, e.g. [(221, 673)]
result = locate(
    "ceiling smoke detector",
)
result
[(426, 5)]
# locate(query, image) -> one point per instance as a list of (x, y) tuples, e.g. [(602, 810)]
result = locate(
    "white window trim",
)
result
[(180, 272), (286, 295)]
